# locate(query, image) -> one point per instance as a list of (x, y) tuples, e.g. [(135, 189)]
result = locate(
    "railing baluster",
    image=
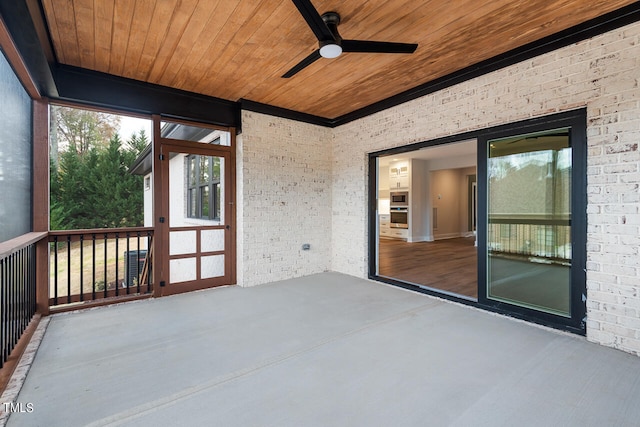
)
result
[(117, 284), (12, 318), (138, 263), (3, 316), (93, 266), (150, 253), (127, 264), (105, 265), (82, 268), (69, 268), (22, 288), (55, 272)]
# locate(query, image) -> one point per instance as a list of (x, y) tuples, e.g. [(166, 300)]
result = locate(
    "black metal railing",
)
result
[(17, 290), (88, 265), (528, 237)]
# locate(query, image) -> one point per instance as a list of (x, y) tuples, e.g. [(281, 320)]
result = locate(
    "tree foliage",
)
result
[(92, 187), (80, 130)]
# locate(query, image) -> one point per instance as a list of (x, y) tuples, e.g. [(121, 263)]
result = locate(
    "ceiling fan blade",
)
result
[(315, 55), (314, 20), (364, 46)]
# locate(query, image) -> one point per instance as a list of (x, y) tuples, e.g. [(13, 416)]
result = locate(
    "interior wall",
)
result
[(600, 74), (446, 198), (463, 191), (283, 199)]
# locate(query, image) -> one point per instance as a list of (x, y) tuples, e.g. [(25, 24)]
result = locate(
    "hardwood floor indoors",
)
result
[(450, 264)]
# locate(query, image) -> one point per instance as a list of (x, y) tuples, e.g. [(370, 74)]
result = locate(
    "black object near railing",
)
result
[(88, 265), (17, 290), (549, 239)]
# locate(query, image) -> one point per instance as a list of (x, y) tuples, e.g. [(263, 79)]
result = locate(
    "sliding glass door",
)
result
[(533, 218), (515, 242), (529, 221)]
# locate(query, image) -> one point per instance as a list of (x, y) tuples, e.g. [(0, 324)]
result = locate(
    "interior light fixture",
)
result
[(330, 50)]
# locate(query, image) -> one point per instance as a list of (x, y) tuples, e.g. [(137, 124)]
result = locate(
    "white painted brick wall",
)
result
[(284, 199), (601, 74)]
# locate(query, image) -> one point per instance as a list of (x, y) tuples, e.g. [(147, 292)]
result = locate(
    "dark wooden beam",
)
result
[(108, 91), (18, 21), (15, 60)]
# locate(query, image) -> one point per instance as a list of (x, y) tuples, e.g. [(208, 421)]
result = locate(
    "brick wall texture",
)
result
[(305, 183), (284, 199)]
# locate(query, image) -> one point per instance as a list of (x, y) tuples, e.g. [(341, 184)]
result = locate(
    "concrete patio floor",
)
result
[(323, 350)]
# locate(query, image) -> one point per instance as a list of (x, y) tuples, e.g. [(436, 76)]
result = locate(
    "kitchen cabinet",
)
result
[(399, 233), (385, 229), (399, 176)]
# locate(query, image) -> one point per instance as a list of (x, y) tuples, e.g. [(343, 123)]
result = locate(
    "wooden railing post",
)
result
[(41, 200)]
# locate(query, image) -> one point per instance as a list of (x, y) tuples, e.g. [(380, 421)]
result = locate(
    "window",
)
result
[(203, 187)]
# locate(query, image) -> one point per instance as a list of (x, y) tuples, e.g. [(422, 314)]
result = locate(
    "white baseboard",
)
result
[(448, 236)]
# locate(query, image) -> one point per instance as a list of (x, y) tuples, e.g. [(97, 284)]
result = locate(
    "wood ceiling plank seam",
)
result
[(85, 27), (54, 33), (320, 69), (194, 71), (184, 49), (122, 21), (242, 38), (351, 97), (234, 29), (258, 61), (104, 34), (298, 34), (155, 35), (65, 18), (270, 75), (179, 22), (362, 22), (237, 27), (141, 20), (292, 30)]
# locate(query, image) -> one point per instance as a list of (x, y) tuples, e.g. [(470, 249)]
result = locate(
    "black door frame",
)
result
[(576, 121)]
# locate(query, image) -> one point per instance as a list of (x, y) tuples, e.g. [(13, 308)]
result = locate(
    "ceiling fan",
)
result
[(325, 28)]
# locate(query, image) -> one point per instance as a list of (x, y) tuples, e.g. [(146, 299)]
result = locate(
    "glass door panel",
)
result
[(529, 221)]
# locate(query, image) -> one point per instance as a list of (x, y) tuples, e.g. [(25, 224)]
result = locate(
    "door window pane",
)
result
[(529, 221), (204, 192), (204, 169)]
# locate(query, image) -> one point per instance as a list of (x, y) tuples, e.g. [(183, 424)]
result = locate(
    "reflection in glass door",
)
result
[(528, 236)]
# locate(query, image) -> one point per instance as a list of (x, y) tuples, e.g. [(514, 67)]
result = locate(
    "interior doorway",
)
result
[(427, 217)]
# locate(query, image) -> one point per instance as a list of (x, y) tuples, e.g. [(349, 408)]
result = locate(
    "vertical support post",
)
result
[(232, 219), (41, 200), (160, 241)]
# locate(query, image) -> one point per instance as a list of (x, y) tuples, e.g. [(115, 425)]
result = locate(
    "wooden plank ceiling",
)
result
[(235, 49)]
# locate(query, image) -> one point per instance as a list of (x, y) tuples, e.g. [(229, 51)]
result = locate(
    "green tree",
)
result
[(80, 130), (91, 187)]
